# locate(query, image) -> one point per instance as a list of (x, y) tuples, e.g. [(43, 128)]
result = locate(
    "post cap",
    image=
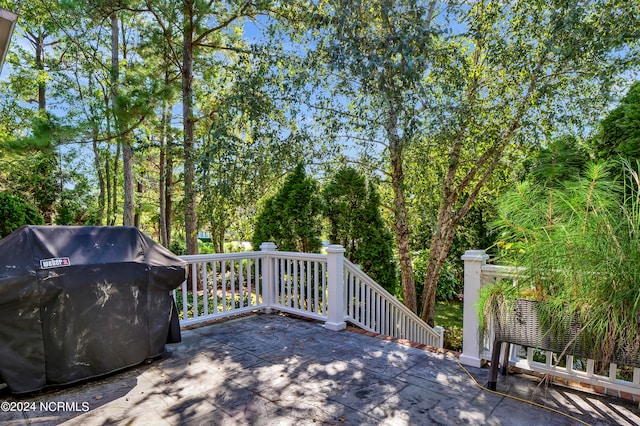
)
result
[(335, 248), (475, 255), (267, 245)]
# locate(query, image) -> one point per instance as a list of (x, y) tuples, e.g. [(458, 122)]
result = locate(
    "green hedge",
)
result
[(14, 213)]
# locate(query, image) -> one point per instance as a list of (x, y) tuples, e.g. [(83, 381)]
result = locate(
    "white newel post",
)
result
[(473, 262), (268, 283), (440, 330), (335, 284)]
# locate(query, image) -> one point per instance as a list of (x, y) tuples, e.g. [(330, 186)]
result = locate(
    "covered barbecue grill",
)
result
[(79, 302)]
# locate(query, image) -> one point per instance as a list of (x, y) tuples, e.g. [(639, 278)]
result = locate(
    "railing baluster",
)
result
[(185, 305), (590, 367), (282, 282), (353, 313), (240, 284), (205, 289), (378, 312), (289, 268), (249, 295), (363, 303), (296, 292), (301, 282), (316, 295), (324, 288), (383, 317), (232, 279), (258, 263), (369, 308), (308, 284), (396, 321), (194, 290), (223, 272), (613, 370), (295, 288), (357, 299), (215, 287)]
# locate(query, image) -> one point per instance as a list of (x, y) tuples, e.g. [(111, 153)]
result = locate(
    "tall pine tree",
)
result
[(352, 207), (292, 217)]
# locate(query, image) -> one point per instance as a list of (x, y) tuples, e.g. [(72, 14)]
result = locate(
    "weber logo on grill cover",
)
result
[(56, 262)]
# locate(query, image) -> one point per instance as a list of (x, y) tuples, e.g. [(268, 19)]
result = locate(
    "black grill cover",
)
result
[(79, 302)]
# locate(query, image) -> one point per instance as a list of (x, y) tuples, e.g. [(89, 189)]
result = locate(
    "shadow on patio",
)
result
[(275, 369)]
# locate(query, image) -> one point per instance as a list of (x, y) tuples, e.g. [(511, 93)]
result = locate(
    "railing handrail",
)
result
[(221, 256), (297, 255), (502, 270), (355, 270), (251, 255)]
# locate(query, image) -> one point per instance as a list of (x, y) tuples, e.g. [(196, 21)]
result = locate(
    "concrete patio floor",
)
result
[(277, 370)]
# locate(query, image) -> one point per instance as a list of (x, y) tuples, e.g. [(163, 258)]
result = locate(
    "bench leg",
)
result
[(495, 361), (505, 358)]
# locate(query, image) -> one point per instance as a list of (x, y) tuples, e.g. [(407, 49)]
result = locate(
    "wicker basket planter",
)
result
[(518, 322)]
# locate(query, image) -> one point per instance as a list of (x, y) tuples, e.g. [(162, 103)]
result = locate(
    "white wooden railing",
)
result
[(300, 284), (369, 307), (323, 287), (475, 352), (218, 286)]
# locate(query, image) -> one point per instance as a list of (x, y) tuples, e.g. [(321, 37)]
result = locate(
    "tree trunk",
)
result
[(401, 225), (448, 219), (114, 189), (162, 222), (107, 179), (127, 153), (438, 250), (402, 239), (42, 96), (115, 76), (169, 194), (220, 243), (138, 211), (127, 168), (190, 217), (101, 180), (47, 206)]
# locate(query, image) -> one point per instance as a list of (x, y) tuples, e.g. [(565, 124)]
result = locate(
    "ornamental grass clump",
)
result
[(577, 246)]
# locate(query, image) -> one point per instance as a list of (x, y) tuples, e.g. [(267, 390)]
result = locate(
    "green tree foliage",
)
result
[(114, 72), (15, 213), (352, 207), (378, 51), (562, 160), (620, 130), (77, 203), (579, 245), (292, 217), (40, 183), (36, 167), (248, 140), (470, 83), (33, 166), (193, 31)]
